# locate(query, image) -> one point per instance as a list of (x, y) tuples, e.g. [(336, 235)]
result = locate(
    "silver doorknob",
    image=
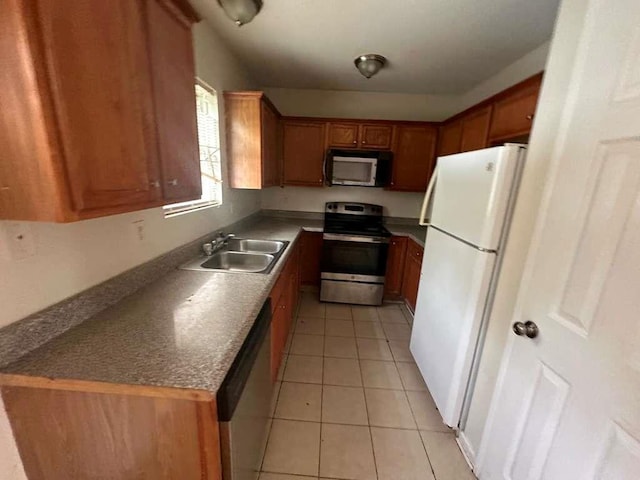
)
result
[(528, 329), (173, 182)]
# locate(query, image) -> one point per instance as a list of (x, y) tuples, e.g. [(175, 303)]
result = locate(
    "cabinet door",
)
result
[(310, 254), (414, 157), (343, 135), (295, 278), (513, 115), (475, 130), (173, 75), (449, 138), (278, 334), (102, 100), (411, 282), (303, 153), (395, 267), (377, 137), (112, 435), (270, 160), (412, 268)]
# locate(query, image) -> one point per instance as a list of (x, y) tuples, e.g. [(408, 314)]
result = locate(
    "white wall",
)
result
[(367, 105), (307, 199), (525, 67), (553, 98), (73, 257), (385, 106)]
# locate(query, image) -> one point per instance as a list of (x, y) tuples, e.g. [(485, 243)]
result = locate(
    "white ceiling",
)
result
[(433, 46)]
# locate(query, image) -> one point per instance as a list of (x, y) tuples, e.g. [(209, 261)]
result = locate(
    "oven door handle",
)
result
[(354, 238)]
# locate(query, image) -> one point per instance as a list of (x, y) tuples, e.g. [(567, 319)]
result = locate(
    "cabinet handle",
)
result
[(155, 184), (355, 142), (363, 142), (173, 182), (529, 117)]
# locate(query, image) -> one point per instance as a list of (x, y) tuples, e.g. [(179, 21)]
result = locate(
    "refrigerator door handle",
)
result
[(427, 198)]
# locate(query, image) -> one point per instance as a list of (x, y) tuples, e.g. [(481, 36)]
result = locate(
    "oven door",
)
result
[(354, 258)]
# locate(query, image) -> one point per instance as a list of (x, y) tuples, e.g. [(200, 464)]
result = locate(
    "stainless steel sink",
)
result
[(255, 246), (241, 255), (238, 261)]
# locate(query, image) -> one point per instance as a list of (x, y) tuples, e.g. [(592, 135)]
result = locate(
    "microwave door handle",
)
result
[(427, 198), (374, 172), (324, 172)]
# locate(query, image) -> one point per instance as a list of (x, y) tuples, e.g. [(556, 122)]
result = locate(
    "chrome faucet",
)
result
[(219, 241)]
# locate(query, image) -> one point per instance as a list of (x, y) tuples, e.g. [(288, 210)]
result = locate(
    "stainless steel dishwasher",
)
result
[(244, 403)]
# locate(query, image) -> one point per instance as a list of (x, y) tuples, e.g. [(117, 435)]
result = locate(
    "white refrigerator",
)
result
[(471, 197)]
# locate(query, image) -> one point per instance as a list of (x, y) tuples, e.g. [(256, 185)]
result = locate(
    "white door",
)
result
[(454, 283), (567, 403), (472, 193)]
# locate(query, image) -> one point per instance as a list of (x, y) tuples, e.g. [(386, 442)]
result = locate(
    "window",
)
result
[(209, 143)]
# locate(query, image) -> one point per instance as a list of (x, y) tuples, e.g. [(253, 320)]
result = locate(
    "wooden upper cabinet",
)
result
[(475, 129), (270, 146), (173, 76), (303, 152), (513, 113), (80, 129), (414, 157), (449, 138), (101, 101), (376, 136), (342, 135), (252, 143)]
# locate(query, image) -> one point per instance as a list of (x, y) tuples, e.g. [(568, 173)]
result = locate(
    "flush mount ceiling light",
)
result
[(241, 11), (370, 64)]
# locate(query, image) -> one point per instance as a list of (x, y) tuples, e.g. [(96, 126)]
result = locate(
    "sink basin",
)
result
[(255, 246), (241, 255), (238, 262)]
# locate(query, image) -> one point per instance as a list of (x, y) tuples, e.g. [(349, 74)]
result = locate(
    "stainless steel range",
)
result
[(354, 253)]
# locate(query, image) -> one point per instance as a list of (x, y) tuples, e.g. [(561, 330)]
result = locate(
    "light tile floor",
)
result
[(350, 403)]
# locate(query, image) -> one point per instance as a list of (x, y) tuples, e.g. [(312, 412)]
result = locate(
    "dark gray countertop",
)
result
[(182, 331)]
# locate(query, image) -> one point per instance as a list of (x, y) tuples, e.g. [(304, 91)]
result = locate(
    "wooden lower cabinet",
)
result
[(284, 302), (279, 331), (65, 434), (395, 267), (310, 255), (411, 277)]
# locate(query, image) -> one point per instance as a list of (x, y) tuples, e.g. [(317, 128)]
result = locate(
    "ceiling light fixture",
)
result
[(370, 64), (241, 11)]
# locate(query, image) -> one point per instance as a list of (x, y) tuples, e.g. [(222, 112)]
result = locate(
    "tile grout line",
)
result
[(366, 406)]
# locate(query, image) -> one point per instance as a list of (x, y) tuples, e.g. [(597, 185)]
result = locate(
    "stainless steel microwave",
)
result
[(360, 168)]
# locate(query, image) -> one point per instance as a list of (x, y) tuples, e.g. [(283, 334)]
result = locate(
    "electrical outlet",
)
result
[(20, 241), (139, 230)]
